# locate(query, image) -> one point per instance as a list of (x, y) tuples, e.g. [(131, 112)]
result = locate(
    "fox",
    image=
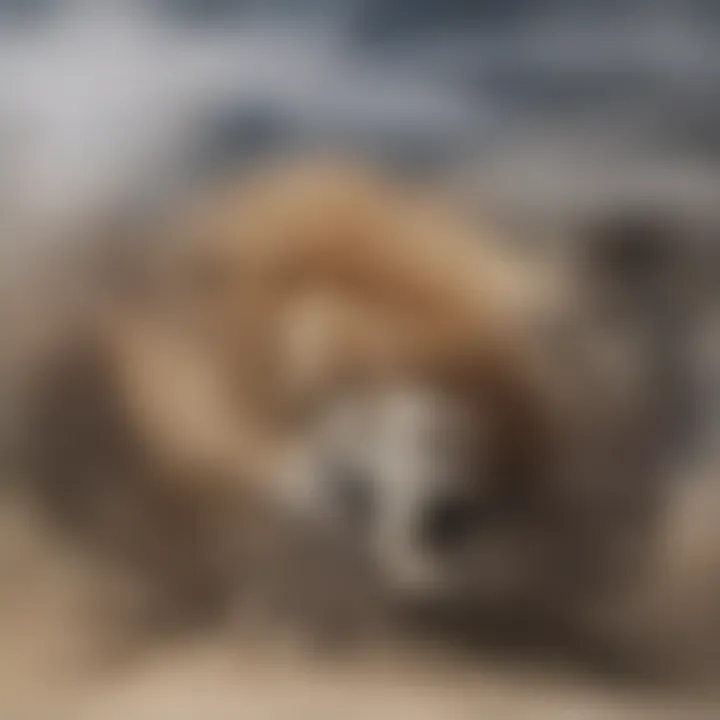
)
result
[(316, 391), (316, 345)]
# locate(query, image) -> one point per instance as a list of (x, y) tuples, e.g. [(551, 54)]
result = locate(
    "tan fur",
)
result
[(311, 273), (271, 295)]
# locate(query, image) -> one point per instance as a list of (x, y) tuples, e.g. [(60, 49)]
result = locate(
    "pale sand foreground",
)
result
[(45, 623), (207, 684)]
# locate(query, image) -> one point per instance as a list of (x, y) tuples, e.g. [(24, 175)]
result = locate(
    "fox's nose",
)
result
[(446, 523)]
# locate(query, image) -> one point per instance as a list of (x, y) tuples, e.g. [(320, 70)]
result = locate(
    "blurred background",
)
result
[(595, 124), (563, 101)]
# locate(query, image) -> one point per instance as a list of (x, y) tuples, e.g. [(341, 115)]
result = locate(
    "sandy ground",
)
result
[(204, 686), (209, 683), (47, 673)]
